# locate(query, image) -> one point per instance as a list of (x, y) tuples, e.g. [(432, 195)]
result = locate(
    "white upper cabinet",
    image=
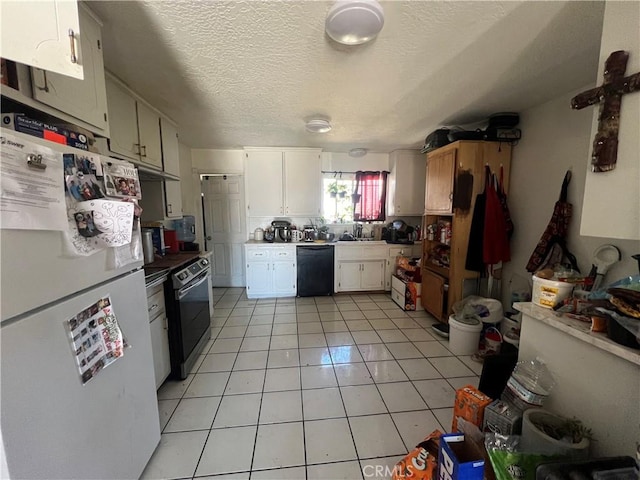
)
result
[(283, 182), (84, 99), (264, 183), (136, 131), (124, 123), (149, 131), (51, 40), (170, 153), (406, 183), (302, 178)]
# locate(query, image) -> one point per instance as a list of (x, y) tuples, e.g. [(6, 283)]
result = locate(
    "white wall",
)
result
[(554, 139), (218, 161), (342, 162), (612, 199)]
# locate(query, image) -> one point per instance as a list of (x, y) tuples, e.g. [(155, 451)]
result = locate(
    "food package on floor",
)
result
[(407, 295), (422, 462), (469, 404), (508, 460), (460, 458)]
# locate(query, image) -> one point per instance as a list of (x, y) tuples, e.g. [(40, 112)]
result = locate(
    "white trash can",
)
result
[(464, 335)]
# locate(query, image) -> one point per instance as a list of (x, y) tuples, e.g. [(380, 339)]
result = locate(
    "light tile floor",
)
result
[(309, 388)]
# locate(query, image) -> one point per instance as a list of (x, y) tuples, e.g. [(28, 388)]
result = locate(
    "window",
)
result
[(370, 196), (337, 202)]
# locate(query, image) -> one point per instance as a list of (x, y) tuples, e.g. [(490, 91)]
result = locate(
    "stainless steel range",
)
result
[(189, 318)]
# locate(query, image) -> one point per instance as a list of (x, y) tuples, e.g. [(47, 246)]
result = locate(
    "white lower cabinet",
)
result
[(360, 267), (271, 270), (158, 324)]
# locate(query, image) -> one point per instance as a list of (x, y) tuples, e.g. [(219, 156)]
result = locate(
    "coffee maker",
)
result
[(282, 230)]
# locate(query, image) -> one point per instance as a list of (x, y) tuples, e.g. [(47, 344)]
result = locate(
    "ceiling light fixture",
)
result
[(358, 152), (318, 125), (353, 22)]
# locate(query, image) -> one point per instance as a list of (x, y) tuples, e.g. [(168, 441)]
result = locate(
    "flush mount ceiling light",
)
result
[(352, 22), (318, 125), (358, 152)]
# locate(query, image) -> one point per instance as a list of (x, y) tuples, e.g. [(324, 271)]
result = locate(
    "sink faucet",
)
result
[(357, 230)]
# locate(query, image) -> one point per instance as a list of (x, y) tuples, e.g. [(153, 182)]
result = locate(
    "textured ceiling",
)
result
[(246, 73)]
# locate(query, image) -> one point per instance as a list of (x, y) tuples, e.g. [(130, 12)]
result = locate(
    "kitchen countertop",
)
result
[(361, 243), (170, 261), (579, 330)]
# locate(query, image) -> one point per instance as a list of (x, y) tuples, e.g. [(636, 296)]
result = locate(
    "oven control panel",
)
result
[(185, 275)]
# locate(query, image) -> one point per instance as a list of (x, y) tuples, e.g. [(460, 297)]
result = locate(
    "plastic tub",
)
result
[(464, 335), (508, 324), (549, 293)]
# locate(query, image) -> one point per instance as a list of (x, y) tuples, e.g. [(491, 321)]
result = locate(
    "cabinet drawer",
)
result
[(155, 303), (281, 253), (258, 254), (398, 297)]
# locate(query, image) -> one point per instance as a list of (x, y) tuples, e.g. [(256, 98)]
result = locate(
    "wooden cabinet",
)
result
[(136, 133), (158, 325), (405, 183), (291, 177), (44, 35), (443, 267), (270, 270), (439, 181)]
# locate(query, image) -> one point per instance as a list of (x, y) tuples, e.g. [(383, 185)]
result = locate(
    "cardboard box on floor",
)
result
[(460, 458), (469, 404)]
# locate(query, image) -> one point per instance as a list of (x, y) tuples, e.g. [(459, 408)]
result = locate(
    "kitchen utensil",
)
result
[(296, 235), (258, 234), (603, 257)]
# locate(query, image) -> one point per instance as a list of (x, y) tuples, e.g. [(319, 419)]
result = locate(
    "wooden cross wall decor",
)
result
[(615, 84)]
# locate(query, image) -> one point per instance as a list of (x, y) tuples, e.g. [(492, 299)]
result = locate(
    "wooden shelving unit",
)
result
[(442, 286)]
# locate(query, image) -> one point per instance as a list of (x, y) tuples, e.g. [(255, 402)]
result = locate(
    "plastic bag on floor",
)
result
[(508, 462)]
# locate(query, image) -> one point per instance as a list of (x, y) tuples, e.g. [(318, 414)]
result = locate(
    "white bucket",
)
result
[(508, 324), (463, 337), (549, 293)]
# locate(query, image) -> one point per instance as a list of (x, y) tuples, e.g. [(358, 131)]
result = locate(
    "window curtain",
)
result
[(370, 196)]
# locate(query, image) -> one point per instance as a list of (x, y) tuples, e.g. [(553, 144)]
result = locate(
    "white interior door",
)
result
[(225, 228)]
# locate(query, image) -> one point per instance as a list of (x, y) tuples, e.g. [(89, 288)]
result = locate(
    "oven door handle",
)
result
[(181, 293)]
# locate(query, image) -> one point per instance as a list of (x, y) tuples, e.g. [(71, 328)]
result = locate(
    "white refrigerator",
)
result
[(53, 425)]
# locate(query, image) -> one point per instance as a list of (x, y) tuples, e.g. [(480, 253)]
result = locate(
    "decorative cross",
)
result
[(605, 144)]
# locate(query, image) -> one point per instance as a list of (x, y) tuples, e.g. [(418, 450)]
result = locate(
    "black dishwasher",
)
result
[(315, 270)]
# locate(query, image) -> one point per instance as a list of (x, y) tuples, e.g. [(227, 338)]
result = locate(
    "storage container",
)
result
[(549, 293), (464, 335), (185, 228)]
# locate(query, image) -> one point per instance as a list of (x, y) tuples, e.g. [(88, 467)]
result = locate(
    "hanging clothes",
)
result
[(474, 260), (495, 243), (505, 207), (552, 247)]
